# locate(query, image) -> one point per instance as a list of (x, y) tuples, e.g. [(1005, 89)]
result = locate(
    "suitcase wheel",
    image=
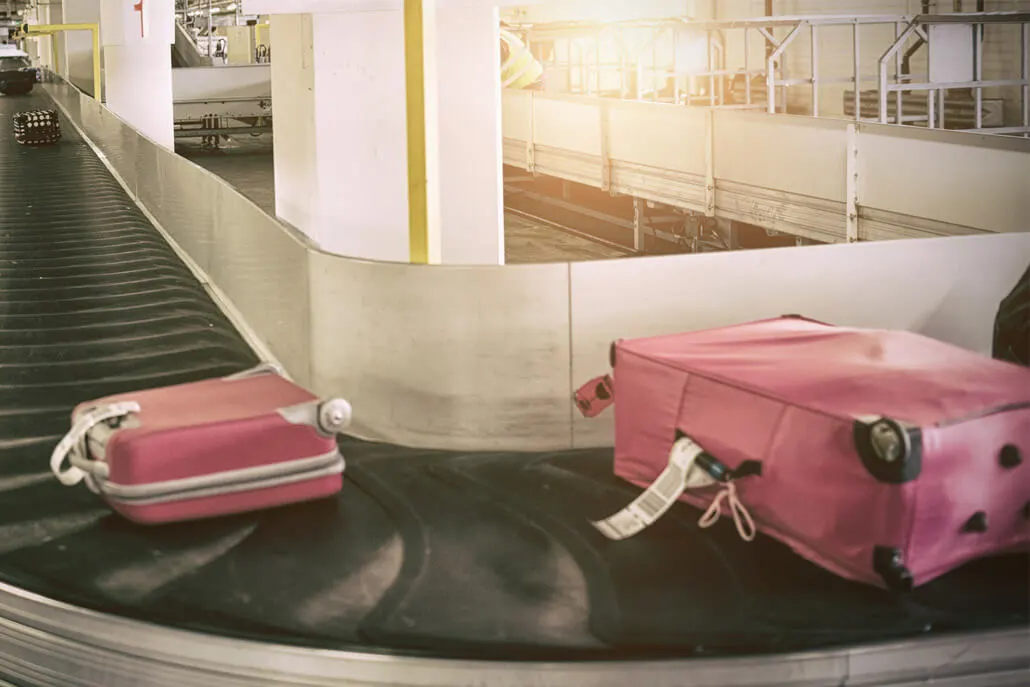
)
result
[(889, 451), (1010, 456), (889, 566), (334, 415)]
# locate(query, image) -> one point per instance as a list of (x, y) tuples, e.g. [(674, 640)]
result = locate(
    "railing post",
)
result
[(710, 162), (606, 163), (531, 136), (857, 56), (770, 74), (815, 70), (1025, 75), (851, 184), (638, 225)]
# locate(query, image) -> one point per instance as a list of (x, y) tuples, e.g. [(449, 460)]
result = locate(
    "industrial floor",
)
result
[(484, 555), (246, 162)]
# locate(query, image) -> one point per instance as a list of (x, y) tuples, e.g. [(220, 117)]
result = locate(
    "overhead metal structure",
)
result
[(663, 80)]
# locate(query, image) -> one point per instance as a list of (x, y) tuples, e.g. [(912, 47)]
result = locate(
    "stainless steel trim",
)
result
[(260, 477), (52, 643), (265, 368)]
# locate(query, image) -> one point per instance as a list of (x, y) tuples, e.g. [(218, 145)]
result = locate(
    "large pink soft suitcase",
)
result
[(886, 457), (215, 447)]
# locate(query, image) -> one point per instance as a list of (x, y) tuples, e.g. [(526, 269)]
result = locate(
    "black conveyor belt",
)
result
[(428, 552)]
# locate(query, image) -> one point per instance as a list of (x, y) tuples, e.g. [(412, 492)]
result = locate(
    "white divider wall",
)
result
[(488, 357), (464, 358)]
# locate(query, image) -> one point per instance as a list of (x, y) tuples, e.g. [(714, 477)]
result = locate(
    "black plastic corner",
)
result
[(1010, 456), (977, 523), (897, 467), (889, 565)]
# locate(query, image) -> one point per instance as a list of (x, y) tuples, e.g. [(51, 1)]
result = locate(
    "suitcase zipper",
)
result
[(247, 479)]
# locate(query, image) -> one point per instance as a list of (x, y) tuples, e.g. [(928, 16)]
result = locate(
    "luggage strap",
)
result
[(685, 471), (68, 448)]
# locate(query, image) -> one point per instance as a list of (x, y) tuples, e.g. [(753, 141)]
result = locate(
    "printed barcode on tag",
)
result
[(658, 498), (669, 482), (652, 504)]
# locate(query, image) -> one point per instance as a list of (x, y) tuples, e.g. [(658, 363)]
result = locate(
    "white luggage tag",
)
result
[(680, 474)]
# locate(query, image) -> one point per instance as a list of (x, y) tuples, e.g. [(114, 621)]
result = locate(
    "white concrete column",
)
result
[(341, 165), (138, 65), (78, 45), (294, 119), (470, 152)]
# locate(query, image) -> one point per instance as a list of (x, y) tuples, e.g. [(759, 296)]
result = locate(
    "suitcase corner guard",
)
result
[(329, 417)]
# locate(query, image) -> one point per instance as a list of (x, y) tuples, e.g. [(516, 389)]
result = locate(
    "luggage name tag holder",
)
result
[(689, 468), (70, 448)]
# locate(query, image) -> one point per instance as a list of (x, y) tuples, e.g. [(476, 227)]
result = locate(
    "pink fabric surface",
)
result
[(785, 392), (842, 371)]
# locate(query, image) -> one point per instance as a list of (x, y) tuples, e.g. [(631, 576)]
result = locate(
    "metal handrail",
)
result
[(650, 73)]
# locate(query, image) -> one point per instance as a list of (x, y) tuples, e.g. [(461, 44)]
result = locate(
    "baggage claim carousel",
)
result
[(430, 568)]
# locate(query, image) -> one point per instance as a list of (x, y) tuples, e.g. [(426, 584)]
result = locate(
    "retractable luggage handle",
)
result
[(81, 467)]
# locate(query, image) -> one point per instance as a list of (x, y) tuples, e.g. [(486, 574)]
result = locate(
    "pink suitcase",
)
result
[(886, 457), (216, 447)]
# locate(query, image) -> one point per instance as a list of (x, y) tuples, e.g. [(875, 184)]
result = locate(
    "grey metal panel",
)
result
[(263, 269), (42, 641), (149, 181), (183, 198), (948, 288), (118, 141), (968, 180), (582, 168), (657, 135), (679, 189), (879, 225), (793, 213), (801, 155), (455, 357)]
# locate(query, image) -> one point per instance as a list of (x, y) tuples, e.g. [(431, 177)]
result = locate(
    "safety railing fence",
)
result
[(646, 61), (488, 357)]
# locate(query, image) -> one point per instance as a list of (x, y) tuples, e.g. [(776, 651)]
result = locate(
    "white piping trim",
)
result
[(230, 481)]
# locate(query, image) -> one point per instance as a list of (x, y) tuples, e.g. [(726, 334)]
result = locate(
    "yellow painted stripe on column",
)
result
[(415, 88), (94, 29), (98, 91)]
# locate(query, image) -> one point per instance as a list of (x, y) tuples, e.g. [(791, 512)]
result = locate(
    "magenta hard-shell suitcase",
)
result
[(246, 442), (886, 457)]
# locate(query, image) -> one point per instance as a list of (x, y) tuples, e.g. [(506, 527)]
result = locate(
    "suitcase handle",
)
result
[(76, 472)]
